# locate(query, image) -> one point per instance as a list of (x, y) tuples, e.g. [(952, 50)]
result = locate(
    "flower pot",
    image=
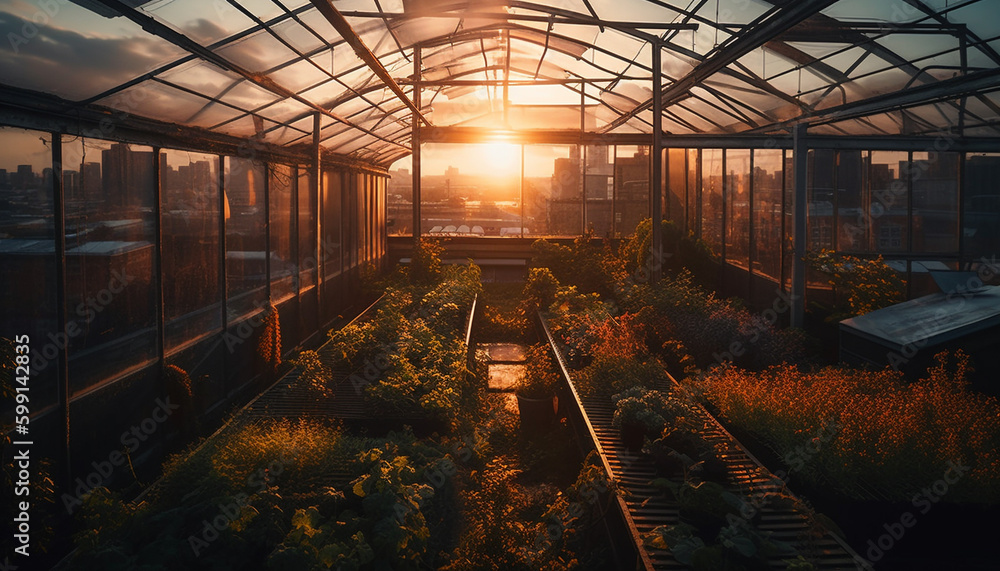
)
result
[(536, 414)]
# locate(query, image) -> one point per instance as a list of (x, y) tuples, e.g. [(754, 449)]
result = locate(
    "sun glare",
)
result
[(500, 158)]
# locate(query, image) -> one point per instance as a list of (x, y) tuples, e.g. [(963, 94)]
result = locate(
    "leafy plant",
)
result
[(854, 429), (862, 285), (540, 380)]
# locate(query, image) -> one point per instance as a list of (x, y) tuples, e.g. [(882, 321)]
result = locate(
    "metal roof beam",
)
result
[(766, 29), (345, 30), (944, 90), (157, 28)]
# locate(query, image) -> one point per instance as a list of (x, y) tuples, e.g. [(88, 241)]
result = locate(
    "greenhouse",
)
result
[(440, 284)]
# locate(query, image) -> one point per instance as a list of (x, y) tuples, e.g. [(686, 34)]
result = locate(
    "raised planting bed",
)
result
[(768, 519)]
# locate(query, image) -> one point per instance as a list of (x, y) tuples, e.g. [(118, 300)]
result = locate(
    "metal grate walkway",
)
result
[(645, 507)]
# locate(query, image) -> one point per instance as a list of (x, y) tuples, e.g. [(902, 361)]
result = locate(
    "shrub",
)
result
[(862, 285), (870, 428), (540, 379)]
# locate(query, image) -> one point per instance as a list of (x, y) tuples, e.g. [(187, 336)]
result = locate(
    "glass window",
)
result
[(738, 206), (694, 193), (821, 177), (552, 190), (889, 201), (284, 273), (599, 188), (359, 210), (631, 201), (711, 197), (853, 223), (27, 256), (768, 175), (332, 208), (307, 231), (981, 223), (110, 237), (191, 289), (676, 168), (246, 250), (399, 200), (463, 186), (934, 178)]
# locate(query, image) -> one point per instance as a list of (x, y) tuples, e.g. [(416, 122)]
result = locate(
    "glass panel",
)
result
[(981, 223), (820, 214), (889, 201), (711, 197), (853, 223), (27, 256), (738, 206), (676, 167), (693, 209), (465, 186), (788, 246), (307, 231), (599, 182), (284, 276), (768, 174), (552, 190), (75, 53), (246, 252), (399, 191), (631, 202), (109, 258), (359, 214), (935, 202), (191, 291), (332, 207)]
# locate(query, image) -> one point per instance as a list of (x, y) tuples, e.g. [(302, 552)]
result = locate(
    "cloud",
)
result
[(74, 65)]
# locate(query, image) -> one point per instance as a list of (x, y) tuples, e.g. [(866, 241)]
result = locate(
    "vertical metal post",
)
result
[(506, 85), (656, 163), (267, 231), (220, 181), (520, 190), (158, 261), (62, 373), (800, 164), (314, 190), (415, 145), (583, 159)]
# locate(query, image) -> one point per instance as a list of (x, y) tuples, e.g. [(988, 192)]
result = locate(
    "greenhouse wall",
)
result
[(921, 210), (172, 257)]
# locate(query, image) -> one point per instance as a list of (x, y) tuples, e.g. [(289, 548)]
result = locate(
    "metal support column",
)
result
[(314, 189), (656, 173), (62, 372), (415, 145), (800, 164)]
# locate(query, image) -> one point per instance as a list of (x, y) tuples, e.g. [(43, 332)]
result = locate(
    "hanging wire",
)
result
[(716, 24)]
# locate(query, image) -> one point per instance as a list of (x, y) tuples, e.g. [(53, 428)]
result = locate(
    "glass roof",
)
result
[(262, 68)]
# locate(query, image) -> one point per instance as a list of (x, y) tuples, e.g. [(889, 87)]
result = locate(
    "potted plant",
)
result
[(536, 390), (680, 449), (705, 506), (640, 413)]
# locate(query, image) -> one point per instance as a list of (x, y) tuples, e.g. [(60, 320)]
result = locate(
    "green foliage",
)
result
[(865, 430), (651, 409), (862, 285), (707, 328), (425, 262), (540, 379), (581, 264), (315, 373), (680, 251)]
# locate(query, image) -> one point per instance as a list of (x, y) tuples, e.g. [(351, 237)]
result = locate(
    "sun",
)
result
[(500, 158)]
